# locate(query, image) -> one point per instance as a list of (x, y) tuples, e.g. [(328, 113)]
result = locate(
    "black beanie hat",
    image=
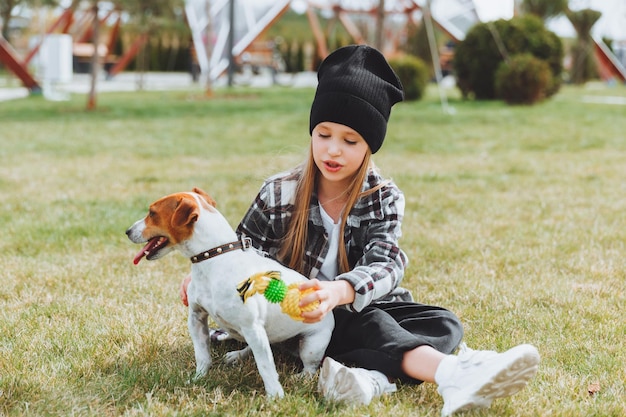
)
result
[(356, 88)]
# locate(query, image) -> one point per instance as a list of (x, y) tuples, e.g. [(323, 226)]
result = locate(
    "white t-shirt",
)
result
[(330, 267)]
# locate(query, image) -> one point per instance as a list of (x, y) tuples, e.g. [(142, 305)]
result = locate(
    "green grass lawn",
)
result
[(514, 220)]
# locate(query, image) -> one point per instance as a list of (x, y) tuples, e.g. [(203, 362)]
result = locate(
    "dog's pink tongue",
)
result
[(146, 249)]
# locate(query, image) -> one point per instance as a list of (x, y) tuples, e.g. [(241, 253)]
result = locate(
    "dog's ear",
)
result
[(186, 212), (204, 195)]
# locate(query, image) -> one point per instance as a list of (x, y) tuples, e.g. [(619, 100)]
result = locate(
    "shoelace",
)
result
[(467, 355)]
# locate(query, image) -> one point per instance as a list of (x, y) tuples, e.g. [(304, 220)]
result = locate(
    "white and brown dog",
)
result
[(190, 223)]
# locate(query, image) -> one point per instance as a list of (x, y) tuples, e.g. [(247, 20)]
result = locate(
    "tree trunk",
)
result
[(380, 25), (95, 60), (5, 16)]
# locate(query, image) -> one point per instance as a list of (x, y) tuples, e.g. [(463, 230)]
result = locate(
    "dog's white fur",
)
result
[(191, 224)]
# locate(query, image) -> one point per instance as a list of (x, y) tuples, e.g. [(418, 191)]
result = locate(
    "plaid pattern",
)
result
[(371, 235)]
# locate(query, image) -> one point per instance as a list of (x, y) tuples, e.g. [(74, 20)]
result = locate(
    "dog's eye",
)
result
[(151, 213)]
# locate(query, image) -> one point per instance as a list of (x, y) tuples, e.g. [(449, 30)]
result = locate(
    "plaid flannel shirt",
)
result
[(371, 235)]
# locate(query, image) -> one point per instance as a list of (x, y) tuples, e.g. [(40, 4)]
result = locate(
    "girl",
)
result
[(337, 221)]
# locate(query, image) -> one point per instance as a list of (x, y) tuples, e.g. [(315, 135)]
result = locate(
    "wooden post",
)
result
[(95, 59)]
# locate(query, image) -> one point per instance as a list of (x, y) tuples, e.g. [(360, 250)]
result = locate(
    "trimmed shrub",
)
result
[(584, 66), (524, 79), (413, 74), (478, 57)]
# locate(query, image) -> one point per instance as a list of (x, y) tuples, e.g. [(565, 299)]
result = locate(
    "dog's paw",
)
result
[(309, 370), (196, 377), (306, 374), (235, 356), (201, 371), (275, 393)]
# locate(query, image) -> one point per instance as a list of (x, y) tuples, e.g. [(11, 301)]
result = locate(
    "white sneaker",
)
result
[(475, 378), (354, 386), (328, 373)]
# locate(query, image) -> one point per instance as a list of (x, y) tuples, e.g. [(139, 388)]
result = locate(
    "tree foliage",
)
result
[(6, 6), (417, 42), (487, 45), (544, 9), (162, 9)]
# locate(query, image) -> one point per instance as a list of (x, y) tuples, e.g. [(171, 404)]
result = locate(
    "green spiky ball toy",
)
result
[(275, 291)]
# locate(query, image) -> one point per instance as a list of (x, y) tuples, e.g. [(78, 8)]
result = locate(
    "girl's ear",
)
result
[(186, 212)]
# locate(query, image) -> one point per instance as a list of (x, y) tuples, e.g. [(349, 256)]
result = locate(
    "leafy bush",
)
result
[(413, 74), (524, 79), (478, 57)]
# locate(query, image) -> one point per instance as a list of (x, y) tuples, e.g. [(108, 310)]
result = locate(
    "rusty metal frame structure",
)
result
[(214, 58), (82, 28), (214, 51), (609, 67), (211, 27), (214, 39), (10, 58), (408, 8)]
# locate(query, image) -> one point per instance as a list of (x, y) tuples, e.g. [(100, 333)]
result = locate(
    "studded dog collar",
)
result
[(243, 244)]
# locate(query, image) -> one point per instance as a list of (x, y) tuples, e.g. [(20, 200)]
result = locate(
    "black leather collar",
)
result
[(243, 244)]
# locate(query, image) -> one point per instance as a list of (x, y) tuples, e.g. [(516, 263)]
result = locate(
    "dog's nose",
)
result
[(128, 232)]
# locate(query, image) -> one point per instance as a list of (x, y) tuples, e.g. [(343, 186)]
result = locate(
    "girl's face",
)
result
[(338, 151)]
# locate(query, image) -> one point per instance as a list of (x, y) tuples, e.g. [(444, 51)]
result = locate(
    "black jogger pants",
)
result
[(377, 337)]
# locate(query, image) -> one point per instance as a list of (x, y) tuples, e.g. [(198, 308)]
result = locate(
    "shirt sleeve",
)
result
[(255, 224), (266, 219), (380, 269)]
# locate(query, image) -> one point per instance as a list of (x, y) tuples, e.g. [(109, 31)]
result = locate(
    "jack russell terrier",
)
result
[(190, 223)]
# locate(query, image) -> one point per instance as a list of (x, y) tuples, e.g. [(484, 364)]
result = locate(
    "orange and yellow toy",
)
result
[(275, 290)]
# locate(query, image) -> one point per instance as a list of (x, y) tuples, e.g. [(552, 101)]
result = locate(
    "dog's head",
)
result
[(169, 222)]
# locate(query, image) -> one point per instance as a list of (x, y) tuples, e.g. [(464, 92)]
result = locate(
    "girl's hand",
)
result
[(330, 294)]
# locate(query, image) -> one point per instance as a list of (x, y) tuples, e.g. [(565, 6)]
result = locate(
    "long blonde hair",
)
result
[(293, 244)]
